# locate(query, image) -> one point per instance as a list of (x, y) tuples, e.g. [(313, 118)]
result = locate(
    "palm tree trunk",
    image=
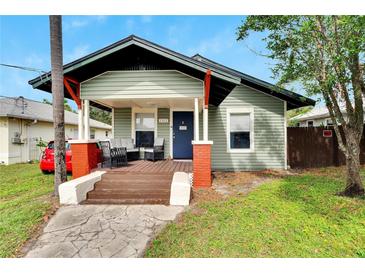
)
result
[(55, 22)]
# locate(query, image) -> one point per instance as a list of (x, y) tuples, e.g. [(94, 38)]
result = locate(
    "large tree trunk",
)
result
[(58, 101), (354, 186)]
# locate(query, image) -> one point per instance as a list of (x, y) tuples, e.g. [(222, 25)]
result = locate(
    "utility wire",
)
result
[(23, 68)]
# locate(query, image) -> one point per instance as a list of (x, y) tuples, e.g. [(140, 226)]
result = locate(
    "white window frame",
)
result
[(247, 110), (329, 120), (310, 121), (142, 110)]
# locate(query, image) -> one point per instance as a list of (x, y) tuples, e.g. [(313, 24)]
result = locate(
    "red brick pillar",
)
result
[(202, 169), (84, 157)]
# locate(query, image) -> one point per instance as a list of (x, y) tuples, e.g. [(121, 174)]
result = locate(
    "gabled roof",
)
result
[(134, 40), (294, 100), (135, 53), (23, 108)]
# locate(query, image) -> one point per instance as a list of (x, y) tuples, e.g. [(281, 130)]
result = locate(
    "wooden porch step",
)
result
[(128, 189), (136, 176), (127, 195), (129, 201), (140, 182), (132, 181)]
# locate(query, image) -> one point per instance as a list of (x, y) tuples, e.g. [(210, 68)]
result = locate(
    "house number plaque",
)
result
[(163, 120)]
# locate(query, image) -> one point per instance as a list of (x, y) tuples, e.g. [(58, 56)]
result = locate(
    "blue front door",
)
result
[(182, 134)]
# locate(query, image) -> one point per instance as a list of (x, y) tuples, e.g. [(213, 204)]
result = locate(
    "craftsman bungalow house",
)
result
[(232, 120)]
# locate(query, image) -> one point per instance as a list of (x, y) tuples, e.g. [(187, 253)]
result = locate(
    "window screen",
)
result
[(239, 130), (145, 126)]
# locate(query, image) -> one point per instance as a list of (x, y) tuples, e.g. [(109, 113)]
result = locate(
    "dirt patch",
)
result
[(227, 184), (241, 183)]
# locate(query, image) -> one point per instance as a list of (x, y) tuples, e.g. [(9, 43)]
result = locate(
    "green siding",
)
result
[(141, 84), (163, 130), (122, 122), (269, 144)]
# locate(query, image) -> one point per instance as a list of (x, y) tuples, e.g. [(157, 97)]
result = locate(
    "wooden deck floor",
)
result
[(141, 182)]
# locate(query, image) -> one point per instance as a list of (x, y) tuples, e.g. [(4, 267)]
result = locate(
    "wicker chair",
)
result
[(132, 150), (157, 152), (113, 156)]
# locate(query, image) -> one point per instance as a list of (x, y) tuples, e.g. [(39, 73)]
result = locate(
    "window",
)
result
[(145, 129), (240, 130), (92, 134), (310, 123), (106, 133), (329, 122)]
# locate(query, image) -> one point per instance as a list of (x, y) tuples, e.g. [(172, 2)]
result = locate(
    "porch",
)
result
[(141, 182)]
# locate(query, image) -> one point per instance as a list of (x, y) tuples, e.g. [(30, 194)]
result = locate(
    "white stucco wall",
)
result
[(316, 122), (4, 144), (30, 133)]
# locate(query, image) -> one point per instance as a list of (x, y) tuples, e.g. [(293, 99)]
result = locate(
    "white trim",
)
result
[(330, 120), (172, 110), (246, 110), (205, 122), (133, 120), (202, 142), (285, 137), (87, 119), (113, 122), (85, 141), (80, 126), (196, 119)]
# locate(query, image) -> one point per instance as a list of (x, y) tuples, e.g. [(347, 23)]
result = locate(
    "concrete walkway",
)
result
[(89, 231)]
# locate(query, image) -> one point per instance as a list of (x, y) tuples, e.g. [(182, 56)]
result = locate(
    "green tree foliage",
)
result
[(66, 105), (295, 112), (326, 55), (101, 115), (95, 113)]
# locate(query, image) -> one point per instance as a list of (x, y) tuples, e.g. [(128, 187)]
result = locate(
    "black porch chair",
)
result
[(157, 152), (132, 150), (113, 156)]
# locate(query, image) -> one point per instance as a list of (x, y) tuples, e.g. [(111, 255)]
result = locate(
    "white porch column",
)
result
[(205, 124), (81, 123), (87, 119), (196, 119)]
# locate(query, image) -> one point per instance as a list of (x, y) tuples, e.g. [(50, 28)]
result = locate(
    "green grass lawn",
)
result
[(297, 216), (24, 200)]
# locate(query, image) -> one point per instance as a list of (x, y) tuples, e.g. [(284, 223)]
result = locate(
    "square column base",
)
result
[(84, 157), (202, 169)]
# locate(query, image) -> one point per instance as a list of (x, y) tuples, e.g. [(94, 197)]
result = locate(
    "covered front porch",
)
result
[(152, 93)]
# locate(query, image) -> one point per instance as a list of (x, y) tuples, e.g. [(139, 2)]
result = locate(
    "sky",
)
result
[(24, 41)]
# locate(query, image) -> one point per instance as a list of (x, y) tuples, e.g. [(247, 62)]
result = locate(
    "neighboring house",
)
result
[(318, 116), (24, 122), (154, 92)]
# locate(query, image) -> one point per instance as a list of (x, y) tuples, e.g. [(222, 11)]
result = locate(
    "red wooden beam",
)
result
[(75, 97), (207, 87)]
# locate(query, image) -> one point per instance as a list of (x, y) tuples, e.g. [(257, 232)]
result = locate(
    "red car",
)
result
[(47, 160)]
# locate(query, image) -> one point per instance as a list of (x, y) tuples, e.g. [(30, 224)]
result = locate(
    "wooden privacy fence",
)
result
[(316, 147)]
